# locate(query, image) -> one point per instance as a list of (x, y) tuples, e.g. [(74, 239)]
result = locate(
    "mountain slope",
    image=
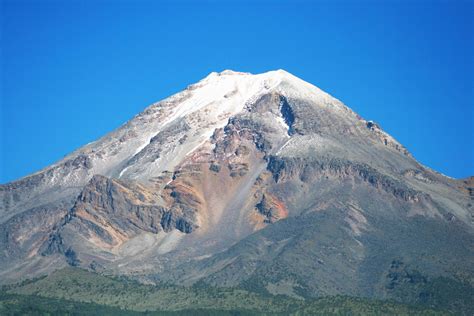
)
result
[(258, 181), (77, 289)]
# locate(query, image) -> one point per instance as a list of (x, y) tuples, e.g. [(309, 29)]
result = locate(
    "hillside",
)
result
[(82, 292)]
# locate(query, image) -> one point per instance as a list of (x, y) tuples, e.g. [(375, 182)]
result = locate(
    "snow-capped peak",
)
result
[(204, 106)]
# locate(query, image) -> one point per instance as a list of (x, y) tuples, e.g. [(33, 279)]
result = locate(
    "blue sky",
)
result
[(72, 71)]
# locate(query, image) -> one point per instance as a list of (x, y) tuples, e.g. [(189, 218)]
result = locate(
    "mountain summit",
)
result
[(255, 181)]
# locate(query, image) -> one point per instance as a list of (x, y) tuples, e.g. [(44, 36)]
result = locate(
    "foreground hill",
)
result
[(81, 292)]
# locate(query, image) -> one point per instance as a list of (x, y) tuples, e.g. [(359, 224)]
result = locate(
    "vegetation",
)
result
[(73, 291), (13, 304)]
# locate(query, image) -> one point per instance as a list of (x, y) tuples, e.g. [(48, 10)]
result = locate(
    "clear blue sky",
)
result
[(75, 70)]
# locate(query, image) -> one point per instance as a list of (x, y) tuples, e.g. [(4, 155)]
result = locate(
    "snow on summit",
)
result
[(198, 111)]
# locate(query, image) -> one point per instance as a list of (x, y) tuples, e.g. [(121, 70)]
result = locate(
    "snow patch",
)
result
[(139, 149), (282, 122), (123, 171), (283, 147)]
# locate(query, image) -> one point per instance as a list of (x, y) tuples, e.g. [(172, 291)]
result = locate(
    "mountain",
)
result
[(262, 182)]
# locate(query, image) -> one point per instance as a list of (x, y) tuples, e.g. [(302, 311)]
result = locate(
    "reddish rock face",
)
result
[(272, 208)]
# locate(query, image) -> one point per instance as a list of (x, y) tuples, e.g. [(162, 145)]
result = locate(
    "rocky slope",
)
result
[(259, 181)]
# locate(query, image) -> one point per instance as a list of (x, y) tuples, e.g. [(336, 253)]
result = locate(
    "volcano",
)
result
[(252, 181)]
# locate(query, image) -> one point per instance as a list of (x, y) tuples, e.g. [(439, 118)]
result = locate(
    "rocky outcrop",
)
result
[(81, 161), (467, 185), (109, 212), (238, 129), (386, 139), (419, 175), (238, 169), (287, 114), (271, 208), (22, 235), (309, 169)]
